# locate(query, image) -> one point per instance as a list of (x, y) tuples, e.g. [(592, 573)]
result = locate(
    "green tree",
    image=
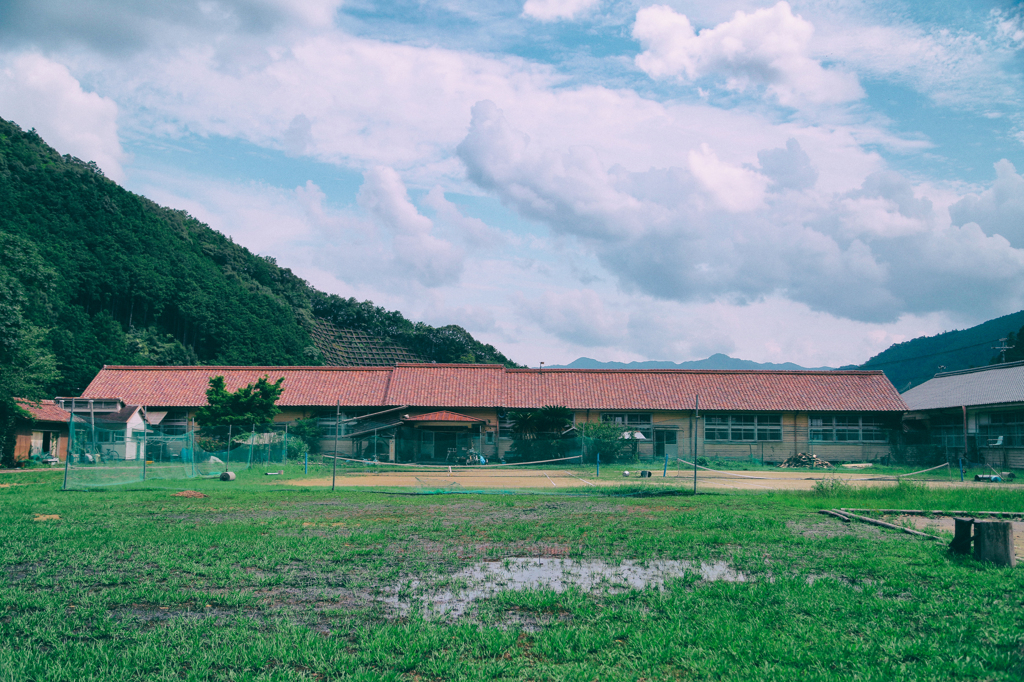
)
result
[(250, 405), (310, 432), (542, 433), (605, 439), (28, 369)]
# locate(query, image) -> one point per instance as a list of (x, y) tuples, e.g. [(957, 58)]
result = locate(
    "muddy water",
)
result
[(485, 579)]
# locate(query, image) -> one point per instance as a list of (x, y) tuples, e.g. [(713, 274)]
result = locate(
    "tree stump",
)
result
[(962, 536), (993, 541)]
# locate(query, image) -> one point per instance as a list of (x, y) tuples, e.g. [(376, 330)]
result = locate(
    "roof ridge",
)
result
[(669, 370), (986, 368), (328, 368)]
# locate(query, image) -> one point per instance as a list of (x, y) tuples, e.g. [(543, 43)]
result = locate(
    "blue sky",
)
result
[(806, 182)]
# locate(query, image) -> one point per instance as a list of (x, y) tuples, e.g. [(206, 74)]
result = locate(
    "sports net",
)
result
[(102, 453)]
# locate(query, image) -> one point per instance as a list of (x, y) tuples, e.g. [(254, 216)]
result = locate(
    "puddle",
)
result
[(485, 579)]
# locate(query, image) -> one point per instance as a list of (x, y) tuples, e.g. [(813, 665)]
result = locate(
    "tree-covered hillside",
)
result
[(913, 362), (104, 276)]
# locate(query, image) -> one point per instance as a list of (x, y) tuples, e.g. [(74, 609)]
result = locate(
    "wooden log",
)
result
[(832, 512), (937, 512), (961, 543), (884, 524), (993, 541)]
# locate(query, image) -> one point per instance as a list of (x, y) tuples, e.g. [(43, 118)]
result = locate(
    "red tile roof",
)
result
[(610, 389), (442, 416), (186, 386), (48, 411), (443, 385), (462, 386)]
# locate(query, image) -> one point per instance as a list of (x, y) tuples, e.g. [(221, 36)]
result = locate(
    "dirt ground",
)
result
[(473, 479), (933, 524)]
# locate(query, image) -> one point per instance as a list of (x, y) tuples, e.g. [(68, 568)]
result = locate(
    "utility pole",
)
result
[(1002, 348)]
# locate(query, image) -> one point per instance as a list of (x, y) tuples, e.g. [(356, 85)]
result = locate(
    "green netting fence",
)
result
[(106, 454)]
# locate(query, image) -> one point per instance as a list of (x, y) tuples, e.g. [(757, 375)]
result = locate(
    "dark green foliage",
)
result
[(27, 367), (252, 405), (309, 431), (604, 439), (114, 278), (913, 362), (540, 434)]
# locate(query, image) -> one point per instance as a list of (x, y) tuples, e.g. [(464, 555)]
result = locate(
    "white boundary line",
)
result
[(450, 467)]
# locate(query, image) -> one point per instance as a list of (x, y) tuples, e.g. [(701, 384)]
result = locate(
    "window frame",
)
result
[(743, 427), (638, 424), (845, 427)]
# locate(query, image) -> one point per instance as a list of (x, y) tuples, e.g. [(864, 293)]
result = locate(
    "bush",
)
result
[(831, 487)]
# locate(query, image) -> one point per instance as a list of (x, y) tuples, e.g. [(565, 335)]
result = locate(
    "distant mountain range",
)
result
[(907, 364), (716, 361)]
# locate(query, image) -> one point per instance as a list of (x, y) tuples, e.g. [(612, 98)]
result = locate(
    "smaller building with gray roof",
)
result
[(982, 407)]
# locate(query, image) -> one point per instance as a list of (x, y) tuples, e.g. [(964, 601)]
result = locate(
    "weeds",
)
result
[(136, 584)]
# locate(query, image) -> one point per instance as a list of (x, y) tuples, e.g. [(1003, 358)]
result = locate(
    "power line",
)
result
[(872, 365)]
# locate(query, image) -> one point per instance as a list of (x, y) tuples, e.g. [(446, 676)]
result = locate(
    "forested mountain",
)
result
[(93, 274), (913, 362)]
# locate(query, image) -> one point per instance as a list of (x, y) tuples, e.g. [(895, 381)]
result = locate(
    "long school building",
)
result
[(426, 412)]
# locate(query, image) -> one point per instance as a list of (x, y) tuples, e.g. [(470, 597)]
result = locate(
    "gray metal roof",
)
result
[(982, 386)]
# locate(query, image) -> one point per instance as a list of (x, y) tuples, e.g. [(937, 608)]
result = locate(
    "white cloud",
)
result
[(553, 10), (734, 188), (430, 260), (477, 234), (768, 48), (36, 92), (998, 210), (870, 254), (957, 68)]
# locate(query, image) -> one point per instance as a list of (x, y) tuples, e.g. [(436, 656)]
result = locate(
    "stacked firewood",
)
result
[(802, 460)]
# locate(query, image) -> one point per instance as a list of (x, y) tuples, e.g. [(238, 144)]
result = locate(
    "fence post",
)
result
[(993, 541)]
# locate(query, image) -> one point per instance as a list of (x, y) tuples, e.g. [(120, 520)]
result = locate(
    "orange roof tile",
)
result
[(186, 386), (48, 411), (676, 389), (442, 416), (444, 385), (462, 386)]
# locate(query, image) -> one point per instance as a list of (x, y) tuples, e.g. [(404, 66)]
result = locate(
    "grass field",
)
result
[(266, 581)]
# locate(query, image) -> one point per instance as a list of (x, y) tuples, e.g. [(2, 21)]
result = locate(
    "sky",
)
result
[(803, 182)]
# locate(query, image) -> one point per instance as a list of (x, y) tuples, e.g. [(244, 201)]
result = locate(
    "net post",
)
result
[(71, 440), (252, 437), (337, 426), (696, 423), (227, 453), (145, 454)]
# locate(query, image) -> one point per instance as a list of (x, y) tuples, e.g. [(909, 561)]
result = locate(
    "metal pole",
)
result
[(227, 455), (966, 455), (252, 437), (145, 455), (92, 426), (337, 426), (71, 441), (696, 423), (665, 472)]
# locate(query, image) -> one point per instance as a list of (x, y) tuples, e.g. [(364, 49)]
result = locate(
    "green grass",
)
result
[(269, 582)]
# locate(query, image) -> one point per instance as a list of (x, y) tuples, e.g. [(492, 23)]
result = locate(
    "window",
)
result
[(327, 423), (631, 422), (992, 425), (175, 423), (845, 428), (489, 437), (743, 427)]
